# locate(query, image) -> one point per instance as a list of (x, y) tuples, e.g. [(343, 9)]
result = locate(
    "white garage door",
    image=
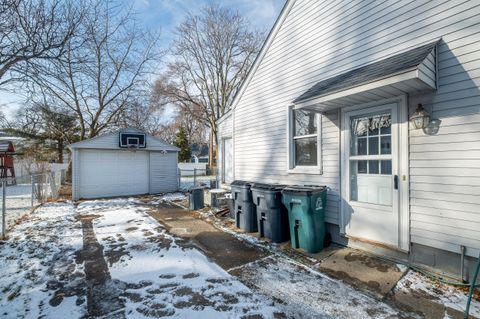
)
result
[(105, 173)]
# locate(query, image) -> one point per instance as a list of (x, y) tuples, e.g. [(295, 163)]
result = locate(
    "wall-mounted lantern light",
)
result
[(420, 119)]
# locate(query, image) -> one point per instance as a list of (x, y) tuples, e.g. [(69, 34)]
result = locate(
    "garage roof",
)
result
[(110, 141)]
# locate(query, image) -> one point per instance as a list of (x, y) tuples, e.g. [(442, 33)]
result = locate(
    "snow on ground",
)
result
[(18, 202), (311, 294), (110, 258), (188, 182), (39, 275), (169, 197), (447, 295), (162, 278)]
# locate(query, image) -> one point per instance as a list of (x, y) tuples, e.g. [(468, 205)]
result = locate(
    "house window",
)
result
[(304, 141)]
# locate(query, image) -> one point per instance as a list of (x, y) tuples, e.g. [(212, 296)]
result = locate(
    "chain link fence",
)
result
[(190, 178), (19, 195)]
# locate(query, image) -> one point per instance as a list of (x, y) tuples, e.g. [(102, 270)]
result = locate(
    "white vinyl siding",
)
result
[(111, 141), (321, 39), (163, 172)]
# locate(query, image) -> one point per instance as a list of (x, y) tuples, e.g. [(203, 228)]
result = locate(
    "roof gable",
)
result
[(110, 141)]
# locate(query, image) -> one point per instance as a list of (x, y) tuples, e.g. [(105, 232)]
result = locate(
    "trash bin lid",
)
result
[(268, 187), (304, 190), (241, 183)]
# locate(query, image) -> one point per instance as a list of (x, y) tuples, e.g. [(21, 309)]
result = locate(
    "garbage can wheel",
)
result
[(327, 240)]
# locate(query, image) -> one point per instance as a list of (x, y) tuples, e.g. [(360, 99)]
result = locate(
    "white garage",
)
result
[(127, 162)]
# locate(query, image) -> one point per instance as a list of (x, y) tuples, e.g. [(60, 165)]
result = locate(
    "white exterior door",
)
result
[(105, 173), (227, 161), (371, 174)]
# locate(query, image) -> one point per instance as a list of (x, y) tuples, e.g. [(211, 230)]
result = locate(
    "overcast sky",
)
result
[(166, 14)]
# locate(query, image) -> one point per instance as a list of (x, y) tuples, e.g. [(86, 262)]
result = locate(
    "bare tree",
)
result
[(3, 120), (139, 113), (50, 128), (167, 131), (195, 129), (212, 54), (34, 30), (102, 71)]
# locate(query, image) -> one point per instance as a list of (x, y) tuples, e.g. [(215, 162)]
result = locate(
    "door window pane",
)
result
[(386, 167), (362, 167), (373, 167), (361, 147), (385, 145), (305, 122), (386, 130), (373, 145), (306, 151)]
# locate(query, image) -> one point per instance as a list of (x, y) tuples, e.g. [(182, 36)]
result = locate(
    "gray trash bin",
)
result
[(230, 204), (245, 210), (272, 215), (196, 198)]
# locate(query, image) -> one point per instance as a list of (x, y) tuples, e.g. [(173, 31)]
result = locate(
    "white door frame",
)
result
[(403, 167)]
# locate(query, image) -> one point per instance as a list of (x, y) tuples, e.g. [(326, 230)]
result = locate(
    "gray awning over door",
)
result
[(407, 72)]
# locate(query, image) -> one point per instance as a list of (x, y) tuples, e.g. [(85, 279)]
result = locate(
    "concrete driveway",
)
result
[(112, 259)]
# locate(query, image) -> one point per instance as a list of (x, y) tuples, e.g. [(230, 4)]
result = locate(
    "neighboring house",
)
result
[(328, 102), (127, 162)]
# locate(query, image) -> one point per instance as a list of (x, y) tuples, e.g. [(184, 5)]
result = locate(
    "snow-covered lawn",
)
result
[(52, 271), (39, 275), (415, 283)]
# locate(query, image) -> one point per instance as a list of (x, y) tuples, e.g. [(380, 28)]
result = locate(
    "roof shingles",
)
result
[(370, 72)]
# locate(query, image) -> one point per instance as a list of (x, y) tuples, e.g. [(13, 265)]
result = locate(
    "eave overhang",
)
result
[(412, 71)]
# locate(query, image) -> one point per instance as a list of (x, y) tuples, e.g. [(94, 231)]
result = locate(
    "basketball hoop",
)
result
[(132, 147)]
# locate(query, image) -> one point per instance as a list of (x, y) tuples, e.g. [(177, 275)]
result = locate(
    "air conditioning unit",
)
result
[(132, 140)]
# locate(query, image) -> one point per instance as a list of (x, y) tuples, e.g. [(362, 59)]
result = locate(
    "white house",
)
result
[(127, 162), (330, 101)]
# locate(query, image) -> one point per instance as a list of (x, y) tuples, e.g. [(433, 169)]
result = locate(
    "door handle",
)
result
[(395, 181)]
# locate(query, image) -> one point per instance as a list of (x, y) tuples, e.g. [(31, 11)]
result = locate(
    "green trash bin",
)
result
[(306, 214)]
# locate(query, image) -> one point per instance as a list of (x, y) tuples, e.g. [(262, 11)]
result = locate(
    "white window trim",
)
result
[(291, 168)]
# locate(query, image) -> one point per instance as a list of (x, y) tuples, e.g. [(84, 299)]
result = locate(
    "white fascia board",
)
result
[(225, 116), (85, 143), (404, 76)]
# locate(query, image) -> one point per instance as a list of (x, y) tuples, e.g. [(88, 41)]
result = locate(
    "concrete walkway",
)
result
[(301, 291), (227, 251), (235, 253)]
